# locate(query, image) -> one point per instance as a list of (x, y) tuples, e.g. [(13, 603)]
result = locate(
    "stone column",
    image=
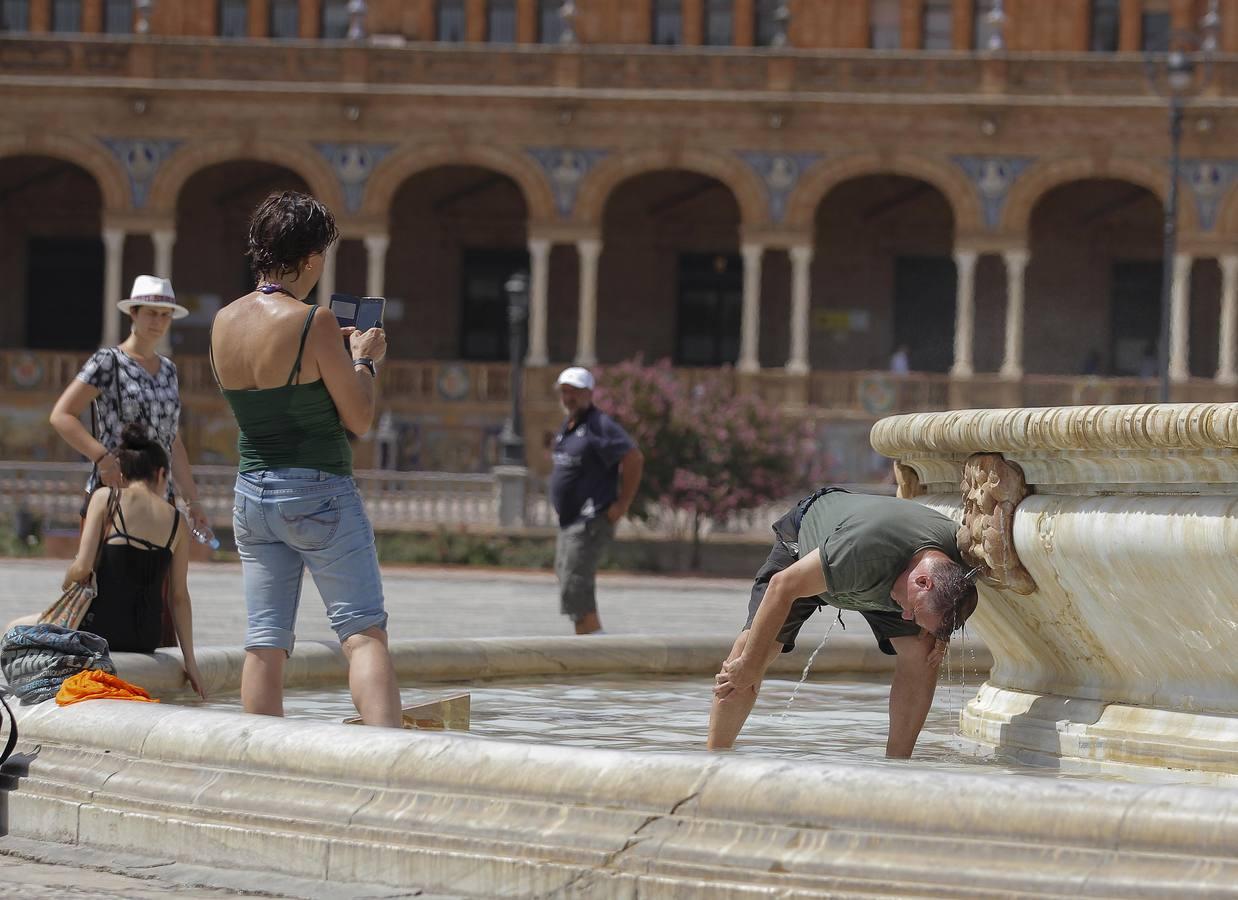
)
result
[(326, 284), (801, 302), (964, 313), (1016, 266), (590, 249), (750, 324), (376, 264), (1180, 319), (1226, 373), (164, 240), (539, 287), (113, 256)]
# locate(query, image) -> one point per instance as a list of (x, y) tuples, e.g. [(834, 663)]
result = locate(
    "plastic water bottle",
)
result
[(204, 535)]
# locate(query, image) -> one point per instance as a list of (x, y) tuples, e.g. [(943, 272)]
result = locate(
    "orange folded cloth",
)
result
[(93, 684)]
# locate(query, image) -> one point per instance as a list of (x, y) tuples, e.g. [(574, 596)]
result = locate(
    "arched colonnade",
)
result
[(571, 210)]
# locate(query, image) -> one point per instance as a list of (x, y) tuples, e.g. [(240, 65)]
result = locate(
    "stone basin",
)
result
[(1111, 603)]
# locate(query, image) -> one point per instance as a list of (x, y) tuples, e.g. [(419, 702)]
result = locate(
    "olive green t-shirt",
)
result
[(866, 542)]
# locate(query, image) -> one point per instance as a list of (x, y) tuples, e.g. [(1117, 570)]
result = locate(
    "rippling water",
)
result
[(831, 721)]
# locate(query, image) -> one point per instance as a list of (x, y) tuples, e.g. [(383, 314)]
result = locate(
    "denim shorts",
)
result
[(286, 519)]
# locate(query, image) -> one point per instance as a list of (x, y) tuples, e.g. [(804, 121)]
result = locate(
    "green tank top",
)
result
[(294, 426)]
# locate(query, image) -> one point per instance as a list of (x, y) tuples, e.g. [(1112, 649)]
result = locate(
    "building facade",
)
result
[(787, 191)]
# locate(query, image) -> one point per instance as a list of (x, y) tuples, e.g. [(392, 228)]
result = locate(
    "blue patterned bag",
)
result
[(36, 659)]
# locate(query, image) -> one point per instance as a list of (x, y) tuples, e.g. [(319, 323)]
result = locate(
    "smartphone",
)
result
[(362, 313)]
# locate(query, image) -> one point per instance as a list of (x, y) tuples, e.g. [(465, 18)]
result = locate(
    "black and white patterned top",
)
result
[(154, 400)]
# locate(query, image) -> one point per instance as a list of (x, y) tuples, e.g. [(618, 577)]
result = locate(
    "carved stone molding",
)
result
[(908, 480), (1171, 446), (992, 489)]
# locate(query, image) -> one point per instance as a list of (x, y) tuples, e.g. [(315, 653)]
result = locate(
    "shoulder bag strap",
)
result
[(11, 743), (113, 509)]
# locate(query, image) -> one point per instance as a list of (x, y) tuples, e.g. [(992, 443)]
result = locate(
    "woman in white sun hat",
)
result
[(131, 383)]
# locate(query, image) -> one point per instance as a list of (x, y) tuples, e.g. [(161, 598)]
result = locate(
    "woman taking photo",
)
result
[(294, 389), (144, 545)]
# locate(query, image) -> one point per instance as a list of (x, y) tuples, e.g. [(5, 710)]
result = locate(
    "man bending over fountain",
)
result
[(894, 561)]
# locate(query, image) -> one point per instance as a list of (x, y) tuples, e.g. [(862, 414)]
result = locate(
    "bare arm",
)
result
[(182, 610), (182, 476), (630, 469), (88, 545), (352, 388), (803, 578), (66, 419), (911, 692)]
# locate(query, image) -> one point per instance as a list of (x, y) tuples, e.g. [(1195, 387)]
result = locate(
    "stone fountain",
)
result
[(1108, 539)]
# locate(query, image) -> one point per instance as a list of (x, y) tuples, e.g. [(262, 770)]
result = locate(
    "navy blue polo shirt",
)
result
[(585, 479)]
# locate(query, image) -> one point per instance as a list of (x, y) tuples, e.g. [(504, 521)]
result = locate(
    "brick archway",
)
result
[(1034, 184), (298, 158), (396, 169), (743, 184), (101, 165), (822, 178)]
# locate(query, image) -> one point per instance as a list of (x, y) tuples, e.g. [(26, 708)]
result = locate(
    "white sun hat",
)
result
[(150, 290), (577, 377)]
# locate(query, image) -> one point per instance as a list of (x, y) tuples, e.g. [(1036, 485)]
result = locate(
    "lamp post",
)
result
[(511, 441), (1177, 76)]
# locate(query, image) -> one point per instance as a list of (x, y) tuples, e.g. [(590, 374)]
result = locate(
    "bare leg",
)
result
[(262, 681), (727, 716), (371, 679), (911, 693)]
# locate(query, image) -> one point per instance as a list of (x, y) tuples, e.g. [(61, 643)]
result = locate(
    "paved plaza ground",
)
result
[(435, 602), (422, 602)]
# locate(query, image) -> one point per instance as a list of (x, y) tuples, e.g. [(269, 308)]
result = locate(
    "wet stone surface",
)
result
[(829, 721)]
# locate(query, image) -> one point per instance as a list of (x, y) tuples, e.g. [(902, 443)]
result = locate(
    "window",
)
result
[(1155, 30), (1104, 26), (233, 18), (66, 15), (501, 22), (719, 23), (667, 22), (449, 21), (938, 25), (335, 20), (766, 26), (710, 304), (984, 31), (285, 19), (117, 16), (884, 18), (14, 15), (483, 324), (549, 22)]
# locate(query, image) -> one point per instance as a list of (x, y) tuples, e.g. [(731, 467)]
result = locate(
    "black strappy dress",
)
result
[(127, 612)]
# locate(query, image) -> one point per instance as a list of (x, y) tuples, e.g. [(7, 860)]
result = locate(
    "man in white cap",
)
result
[(597, 469)]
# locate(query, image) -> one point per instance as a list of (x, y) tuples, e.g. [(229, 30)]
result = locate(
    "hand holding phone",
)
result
[(372, 343), (362, 313)]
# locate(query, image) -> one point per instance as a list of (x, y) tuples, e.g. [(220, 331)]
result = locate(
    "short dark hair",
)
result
[(953, 596), (139, 454), (285, 229)]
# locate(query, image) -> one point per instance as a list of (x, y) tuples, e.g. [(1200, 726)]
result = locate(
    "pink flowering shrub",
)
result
[(708, 451)]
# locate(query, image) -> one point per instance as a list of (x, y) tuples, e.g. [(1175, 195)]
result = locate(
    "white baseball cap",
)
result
[(150, 290), (577, 377)]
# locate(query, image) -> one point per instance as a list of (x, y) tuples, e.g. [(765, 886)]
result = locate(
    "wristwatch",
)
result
[(368, 363)]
